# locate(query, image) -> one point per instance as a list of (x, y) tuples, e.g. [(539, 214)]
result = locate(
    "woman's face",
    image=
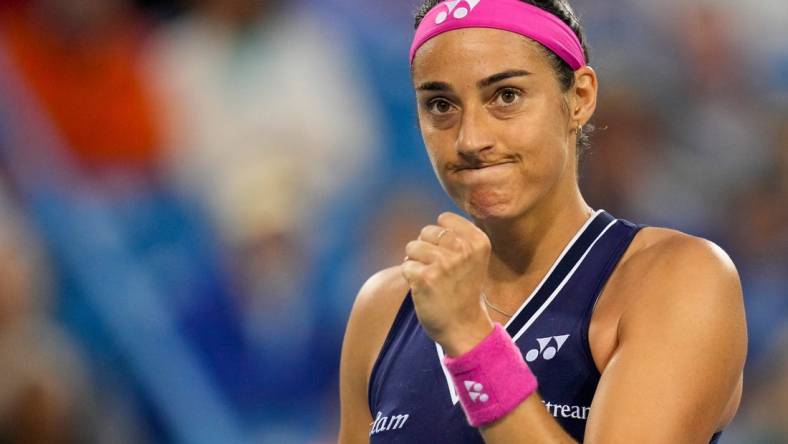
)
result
[(498, 129)]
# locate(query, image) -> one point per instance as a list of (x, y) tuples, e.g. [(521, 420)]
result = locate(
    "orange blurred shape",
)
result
[(90, 88)]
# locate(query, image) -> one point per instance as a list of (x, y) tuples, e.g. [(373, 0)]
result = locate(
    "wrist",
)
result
[(492, 379), (465, 338)]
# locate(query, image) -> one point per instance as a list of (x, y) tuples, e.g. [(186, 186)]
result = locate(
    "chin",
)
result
[(492, 203), (490, 211)]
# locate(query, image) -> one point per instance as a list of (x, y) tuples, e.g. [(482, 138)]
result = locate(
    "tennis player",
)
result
[(537, 319)]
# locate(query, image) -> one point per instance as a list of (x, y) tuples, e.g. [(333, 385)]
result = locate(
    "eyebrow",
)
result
[(434, 86), (495, 78), (483, 83)]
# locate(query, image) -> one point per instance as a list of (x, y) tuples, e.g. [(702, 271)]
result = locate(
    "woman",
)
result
[(613, 332)]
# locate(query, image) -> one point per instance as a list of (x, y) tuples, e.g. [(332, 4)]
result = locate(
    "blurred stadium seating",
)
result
[(192, 191)]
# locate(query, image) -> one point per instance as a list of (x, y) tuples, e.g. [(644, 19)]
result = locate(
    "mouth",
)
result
[(483, 166), (484, 174)]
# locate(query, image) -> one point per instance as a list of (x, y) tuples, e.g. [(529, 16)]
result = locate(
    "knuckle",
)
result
[(407, 272), (444, 262), (455, 243), (412, 273), (444, 218), (484, 244), (466, 248), (430, 275), (481, 243)]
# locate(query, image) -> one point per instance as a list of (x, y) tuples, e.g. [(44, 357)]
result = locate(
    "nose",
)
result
[(475, 135)]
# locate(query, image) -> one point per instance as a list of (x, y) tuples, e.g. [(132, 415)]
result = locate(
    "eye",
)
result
[(507, 97), (439, 106)]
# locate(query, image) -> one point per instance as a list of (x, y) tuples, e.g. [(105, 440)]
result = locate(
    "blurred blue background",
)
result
[(192, 192)]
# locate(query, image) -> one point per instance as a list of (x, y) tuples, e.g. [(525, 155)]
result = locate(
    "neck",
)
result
[(524, 248)]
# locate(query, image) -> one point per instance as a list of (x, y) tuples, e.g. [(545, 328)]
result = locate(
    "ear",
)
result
[(583, 96)]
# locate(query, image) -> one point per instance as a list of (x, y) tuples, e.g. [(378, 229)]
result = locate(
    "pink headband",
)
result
[(507, 15)]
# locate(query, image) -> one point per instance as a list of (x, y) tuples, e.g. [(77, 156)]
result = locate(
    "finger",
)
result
[(429, 233), (422, 251), (413, 272), (443, 237), (463, 228), (459, 224), (434, 234)]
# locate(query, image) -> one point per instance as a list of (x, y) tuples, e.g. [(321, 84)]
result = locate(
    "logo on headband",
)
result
[(456, 12)]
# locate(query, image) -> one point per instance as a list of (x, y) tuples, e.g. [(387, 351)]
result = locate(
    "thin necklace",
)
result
[(494, 307)]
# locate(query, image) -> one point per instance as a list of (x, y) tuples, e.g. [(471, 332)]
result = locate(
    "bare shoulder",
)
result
[(670, 340), (661, 258), (657, 243), (665, 272), (679, 276), (384, 287), (373, 313)]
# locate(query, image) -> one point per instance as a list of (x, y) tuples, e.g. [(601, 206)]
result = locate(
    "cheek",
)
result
[(543, 163), (541, 147), (440, 148), (543, 143), (549, 171), (545, 160)]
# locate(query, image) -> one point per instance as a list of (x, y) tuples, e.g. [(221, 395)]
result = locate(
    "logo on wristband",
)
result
[(544, 351), (475, 391)]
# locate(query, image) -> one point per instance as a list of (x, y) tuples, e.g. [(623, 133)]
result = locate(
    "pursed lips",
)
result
[(486, 174), (484, 166)]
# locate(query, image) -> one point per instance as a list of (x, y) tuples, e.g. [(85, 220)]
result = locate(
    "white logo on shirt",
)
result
[(567, 411), (456, 12), (544, 351), (386, 423)]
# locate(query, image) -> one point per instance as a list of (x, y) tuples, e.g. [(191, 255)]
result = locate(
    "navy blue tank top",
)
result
[(411, 396)]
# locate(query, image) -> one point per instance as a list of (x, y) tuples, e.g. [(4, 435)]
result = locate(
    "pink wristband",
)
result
[(492, 378)]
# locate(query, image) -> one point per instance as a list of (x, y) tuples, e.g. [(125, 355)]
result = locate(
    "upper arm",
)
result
[(370, 320), (681, 348)]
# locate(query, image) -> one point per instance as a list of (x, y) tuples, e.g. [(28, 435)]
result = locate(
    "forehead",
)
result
[(475, 53)]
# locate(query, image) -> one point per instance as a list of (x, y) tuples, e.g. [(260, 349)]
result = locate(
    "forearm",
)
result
[(529, 422)]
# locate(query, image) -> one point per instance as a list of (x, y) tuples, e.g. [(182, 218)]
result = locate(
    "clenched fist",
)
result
[(446, 268)]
